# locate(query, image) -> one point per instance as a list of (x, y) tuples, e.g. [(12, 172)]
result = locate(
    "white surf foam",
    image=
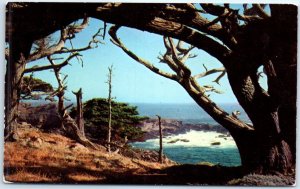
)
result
[(193, 139)]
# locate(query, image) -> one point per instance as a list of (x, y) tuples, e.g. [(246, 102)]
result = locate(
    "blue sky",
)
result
[(132, 82)]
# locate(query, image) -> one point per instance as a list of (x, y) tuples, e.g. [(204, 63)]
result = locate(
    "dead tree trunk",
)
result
[(70, 124), (79, 116), (160, 152), (67, 123), (109, 99)]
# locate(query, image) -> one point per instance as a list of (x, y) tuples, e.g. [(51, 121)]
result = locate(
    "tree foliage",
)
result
[(33, 88), (124, 119)]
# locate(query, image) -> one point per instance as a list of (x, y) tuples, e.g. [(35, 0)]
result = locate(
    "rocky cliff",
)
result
[(175, 127)]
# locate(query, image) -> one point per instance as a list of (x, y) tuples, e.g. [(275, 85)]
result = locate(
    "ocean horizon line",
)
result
[(129, 102)]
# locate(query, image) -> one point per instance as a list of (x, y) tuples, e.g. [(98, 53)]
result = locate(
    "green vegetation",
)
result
[(33, 88), (36, 84), (124, 119)]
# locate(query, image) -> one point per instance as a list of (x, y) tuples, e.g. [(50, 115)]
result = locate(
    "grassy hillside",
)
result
[(47, 157), (39, 157)]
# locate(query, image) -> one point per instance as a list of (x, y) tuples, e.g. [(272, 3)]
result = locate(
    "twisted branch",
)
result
[(115, 40), (209, 72), (188, 83), (52, 65)]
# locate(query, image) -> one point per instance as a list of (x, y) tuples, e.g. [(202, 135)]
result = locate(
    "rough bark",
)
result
[(79, 111), (283, 54), (273, 153), (74, 132), (19, 51)]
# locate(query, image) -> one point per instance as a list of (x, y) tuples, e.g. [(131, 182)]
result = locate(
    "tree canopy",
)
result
[(33, 88), (124, 119)]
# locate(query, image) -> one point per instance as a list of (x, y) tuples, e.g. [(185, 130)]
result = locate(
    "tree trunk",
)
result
[(18, 52), (61, 107), (109, 107), (160, 152), (259, 154), (109, 125), (79, 116), (283, 54), (76, 134), (265, 150)]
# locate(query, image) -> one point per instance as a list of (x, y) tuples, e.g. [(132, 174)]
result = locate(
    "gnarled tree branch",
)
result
[(117, 41), (260, 11), (65, 34), (209, 72), (189, 83), (51, 66)]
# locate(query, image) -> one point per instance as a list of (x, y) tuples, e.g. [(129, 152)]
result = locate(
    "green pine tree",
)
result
[(124, 119)]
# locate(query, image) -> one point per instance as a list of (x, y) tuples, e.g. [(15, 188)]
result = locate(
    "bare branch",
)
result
[(210, 88), (51, 66), (173, 48), (167, 45), (94, 41), (187, 56), (205, 67), (221, 116), (180, 47), (248, 18), (69, 106), (185, 52), (66, 33), (215, 10), (260, 11), (171, 57), (113, 33), (186, 15), (217, 80), (186, 71), (254, 13), (209, 72), (190, 36), (78, 28)]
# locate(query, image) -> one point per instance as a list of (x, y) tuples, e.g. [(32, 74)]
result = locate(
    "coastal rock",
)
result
[(173, 141), (184, 140), (177, 140), (175, 127), (215, 143), (170, 126)]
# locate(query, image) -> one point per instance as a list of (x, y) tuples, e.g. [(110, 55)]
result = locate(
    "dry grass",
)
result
[(46, 157), (84, 177), (23, 175)]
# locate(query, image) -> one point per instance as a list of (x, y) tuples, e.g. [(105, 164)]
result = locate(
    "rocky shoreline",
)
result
[(175, 127)]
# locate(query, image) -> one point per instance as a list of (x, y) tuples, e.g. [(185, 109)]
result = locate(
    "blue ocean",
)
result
[(198, 148)]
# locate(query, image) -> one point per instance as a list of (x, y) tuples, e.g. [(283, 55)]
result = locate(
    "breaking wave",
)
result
[(197, 146)]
